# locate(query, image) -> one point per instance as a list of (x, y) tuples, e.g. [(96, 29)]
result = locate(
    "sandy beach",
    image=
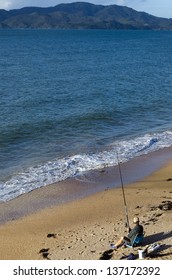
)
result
[(84, 228)]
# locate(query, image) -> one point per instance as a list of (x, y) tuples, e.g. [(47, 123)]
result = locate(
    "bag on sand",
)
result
[(153, 247)]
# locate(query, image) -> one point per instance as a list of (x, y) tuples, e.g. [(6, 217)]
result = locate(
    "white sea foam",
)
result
[(61, 169)]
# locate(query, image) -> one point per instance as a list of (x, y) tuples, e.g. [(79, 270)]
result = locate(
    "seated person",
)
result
[(137, 230)]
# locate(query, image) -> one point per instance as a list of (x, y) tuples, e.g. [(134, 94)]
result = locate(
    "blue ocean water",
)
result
[(69, 99)]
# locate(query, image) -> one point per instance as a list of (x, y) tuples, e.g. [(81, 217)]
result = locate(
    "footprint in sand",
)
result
[(80, 253)]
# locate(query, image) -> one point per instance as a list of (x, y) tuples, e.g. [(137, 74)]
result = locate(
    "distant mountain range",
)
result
[(82, 15)]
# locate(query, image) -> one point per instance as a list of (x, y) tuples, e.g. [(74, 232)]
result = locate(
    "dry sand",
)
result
[(84, 229)]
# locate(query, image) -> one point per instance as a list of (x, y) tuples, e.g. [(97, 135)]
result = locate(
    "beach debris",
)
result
[(152, 250), (49, 235), (159, 215), (45, 253), (169, 179), (44, 250), (153, 219), (153, 247), (166, 205), (153, 208)]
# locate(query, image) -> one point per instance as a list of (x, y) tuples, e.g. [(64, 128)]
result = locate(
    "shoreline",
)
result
[(84, 228), (82, 186)]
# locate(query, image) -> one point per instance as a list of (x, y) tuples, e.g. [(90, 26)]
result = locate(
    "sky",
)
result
[(160, 8)]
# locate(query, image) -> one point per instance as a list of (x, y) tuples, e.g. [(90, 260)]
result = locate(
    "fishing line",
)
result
[(123, 193)]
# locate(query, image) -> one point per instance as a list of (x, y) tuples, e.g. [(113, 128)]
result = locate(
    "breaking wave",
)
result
[(61, 169)]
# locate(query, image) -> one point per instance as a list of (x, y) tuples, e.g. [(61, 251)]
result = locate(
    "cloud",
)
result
[(11, 4), (15, 4), (5, 4)]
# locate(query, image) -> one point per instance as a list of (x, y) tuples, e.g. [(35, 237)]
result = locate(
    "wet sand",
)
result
[(81, 186), (84, 227)]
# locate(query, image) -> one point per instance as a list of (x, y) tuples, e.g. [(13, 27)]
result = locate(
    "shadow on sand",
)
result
[(156, 237), (159, 253)]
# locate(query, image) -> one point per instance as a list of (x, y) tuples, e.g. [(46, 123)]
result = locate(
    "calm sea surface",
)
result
[(69, 99)]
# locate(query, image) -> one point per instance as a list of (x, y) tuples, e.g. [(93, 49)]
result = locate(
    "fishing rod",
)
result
[(123, 193)]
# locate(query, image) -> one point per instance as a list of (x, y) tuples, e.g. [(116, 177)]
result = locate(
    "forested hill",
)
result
[(82, 15)]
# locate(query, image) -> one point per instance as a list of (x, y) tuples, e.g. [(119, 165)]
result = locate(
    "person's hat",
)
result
[(136, 220)]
